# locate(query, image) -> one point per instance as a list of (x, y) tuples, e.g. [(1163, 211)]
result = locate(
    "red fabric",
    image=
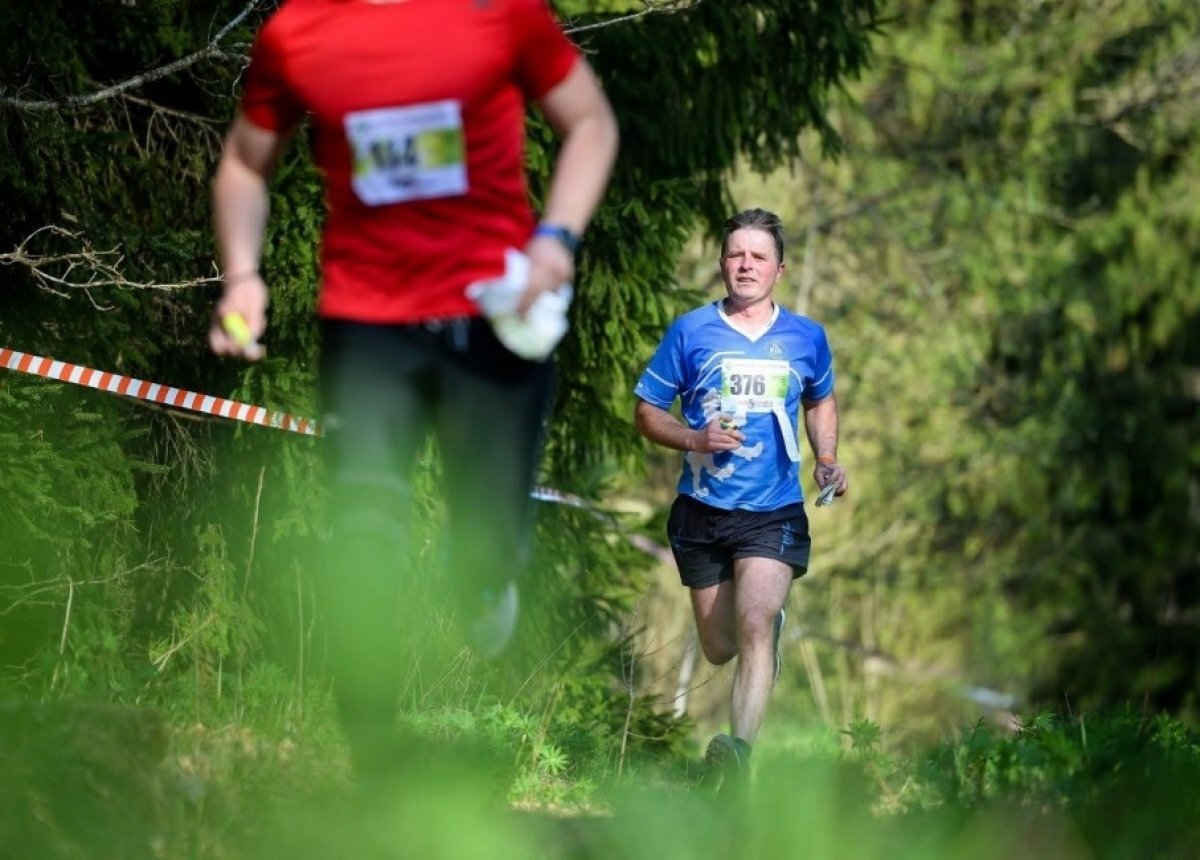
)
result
[(411, 261)]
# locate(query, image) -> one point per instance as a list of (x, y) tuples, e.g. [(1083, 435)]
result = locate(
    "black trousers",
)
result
[(384, 390)]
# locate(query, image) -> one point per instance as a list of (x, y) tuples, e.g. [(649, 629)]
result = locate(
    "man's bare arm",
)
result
[(579, 111), (821, 426), (659, 425), (240, 209)]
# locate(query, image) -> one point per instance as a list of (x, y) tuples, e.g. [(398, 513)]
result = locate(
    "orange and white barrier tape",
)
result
[(114, 383), (558, 497)]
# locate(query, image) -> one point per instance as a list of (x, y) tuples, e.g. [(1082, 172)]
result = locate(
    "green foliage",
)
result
[(864, 735), (1125, 778), (546, 773), (67, 532), (1005, 259)]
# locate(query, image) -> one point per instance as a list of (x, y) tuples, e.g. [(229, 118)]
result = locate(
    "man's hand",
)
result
[(550, 266), (831, 473), (718, 435), (240, 318)]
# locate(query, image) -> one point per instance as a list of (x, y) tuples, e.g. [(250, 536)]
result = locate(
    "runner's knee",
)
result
[(718, 649), (755, 626)]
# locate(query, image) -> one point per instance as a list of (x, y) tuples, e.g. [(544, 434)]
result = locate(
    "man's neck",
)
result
[(754, 313), (750, 319)]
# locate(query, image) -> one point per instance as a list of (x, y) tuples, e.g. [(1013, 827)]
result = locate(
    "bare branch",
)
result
[(212, 49), (84, 269), (652, 6), (13, 597), (187, 116)]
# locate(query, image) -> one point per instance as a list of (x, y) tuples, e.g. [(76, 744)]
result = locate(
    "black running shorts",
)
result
[(706, 540)]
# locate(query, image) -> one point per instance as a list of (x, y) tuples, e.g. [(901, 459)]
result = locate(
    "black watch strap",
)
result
[(569, 239)]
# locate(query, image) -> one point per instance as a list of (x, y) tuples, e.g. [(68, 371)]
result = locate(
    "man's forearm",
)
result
[(581, 174), (240, 208), (240, 195), (659, 425), (821, 425)]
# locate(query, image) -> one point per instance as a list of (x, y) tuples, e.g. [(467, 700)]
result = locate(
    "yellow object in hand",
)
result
[(236, 327)]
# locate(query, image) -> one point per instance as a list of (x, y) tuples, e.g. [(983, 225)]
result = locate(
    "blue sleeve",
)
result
[(663, 379), (820, 385)]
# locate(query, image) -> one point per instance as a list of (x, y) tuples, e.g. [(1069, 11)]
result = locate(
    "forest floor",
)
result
[(107, 781), (83, 781)]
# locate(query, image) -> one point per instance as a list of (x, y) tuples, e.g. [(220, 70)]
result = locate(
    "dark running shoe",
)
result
[(726, 761), (779, 620)]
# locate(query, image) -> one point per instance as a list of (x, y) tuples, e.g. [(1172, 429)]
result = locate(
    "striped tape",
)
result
[(114, 383), (558, 497), (178, 398)]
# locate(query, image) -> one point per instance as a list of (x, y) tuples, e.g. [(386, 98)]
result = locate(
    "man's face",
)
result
[(750, 267)]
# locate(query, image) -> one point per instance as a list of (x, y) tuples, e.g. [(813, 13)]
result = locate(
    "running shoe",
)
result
[(495, 621), (727, 765)]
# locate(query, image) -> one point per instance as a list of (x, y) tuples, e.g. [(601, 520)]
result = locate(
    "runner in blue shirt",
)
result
[(744, 369)]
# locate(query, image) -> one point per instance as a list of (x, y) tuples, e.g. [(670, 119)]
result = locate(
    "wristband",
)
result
[(569, 239), (826, 459)]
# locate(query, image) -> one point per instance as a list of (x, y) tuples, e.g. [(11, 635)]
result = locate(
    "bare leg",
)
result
[(736, 618), (761, 587), (716, 621)]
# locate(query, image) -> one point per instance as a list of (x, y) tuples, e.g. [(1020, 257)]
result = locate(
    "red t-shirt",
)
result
[(418, 114)]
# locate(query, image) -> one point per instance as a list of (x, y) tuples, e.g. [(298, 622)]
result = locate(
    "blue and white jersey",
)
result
[(759, 382)]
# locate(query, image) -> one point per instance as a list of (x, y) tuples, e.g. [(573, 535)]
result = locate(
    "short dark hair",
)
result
[(755, 219)]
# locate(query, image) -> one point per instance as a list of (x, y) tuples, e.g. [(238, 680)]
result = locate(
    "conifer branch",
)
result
[(212, 49)]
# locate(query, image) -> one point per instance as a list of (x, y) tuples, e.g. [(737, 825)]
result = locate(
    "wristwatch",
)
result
[(569, 239)]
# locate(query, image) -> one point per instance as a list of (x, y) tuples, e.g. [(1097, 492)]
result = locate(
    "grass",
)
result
[(494, 782)]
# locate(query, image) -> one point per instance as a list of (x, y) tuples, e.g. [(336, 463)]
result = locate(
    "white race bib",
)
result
[(755, 385), (407, 153), (759, 385)]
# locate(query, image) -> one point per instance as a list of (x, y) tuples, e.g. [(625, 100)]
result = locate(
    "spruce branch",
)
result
[(212, 49)]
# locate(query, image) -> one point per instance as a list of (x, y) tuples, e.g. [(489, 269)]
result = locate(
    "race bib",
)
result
[(407, 153), (755, 385), (759, 385)]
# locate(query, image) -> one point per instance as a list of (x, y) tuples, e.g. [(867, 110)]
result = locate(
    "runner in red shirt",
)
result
[(417, 114)]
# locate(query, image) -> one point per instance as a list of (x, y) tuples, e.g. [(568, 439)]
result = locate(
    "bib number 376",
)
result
[(747, 383), (755, 385)]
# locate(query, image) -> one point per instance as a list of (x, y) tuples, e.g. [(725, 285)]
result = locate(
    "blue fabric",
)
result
[(687, 365)]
